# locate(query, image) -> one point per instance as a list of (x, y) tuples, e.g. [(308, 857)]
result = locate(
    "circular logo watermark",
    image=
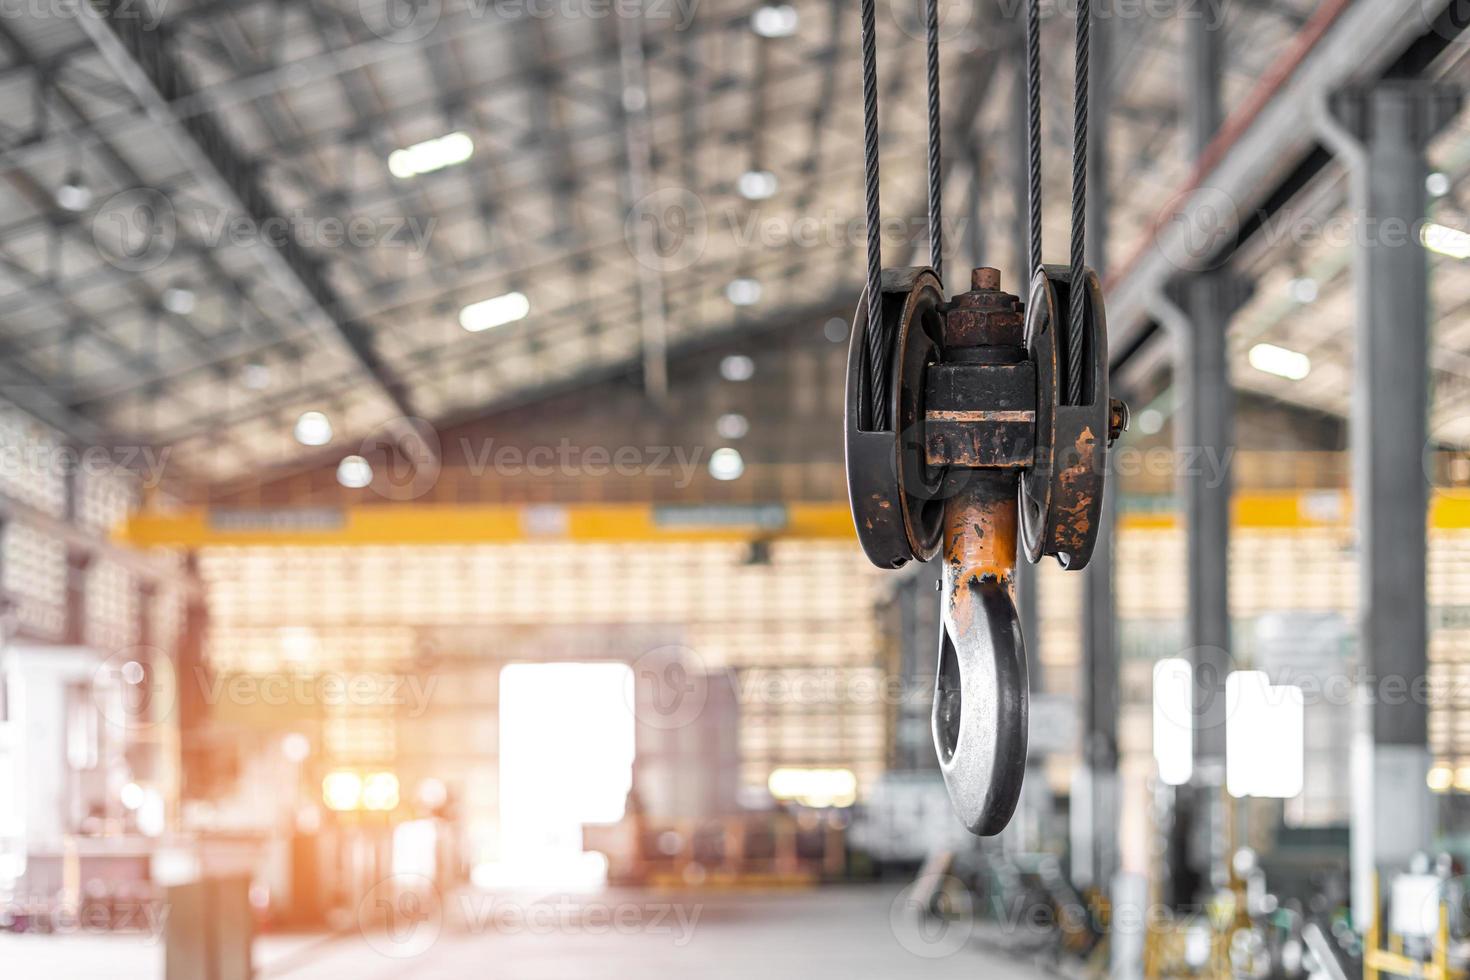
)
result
[(401, 21), (404, 454), (135, 230), (668, 229), (1195, 227), (669, 687), (1187, 700), (933, 917), (401, 916), (135, 688)]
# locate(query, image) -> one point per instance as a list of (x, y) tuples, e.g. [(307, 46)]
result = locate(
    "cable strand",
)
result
[(878, 341), (936, 227), (1033, 120), (1078, 328)]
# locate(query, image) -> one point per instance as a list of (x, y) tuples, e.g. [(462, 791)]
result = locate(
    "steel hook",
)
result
[(980, 688)]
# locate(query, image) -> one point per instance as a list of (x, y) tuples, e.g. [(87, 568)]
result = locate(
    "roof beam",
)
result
[(142, 60), (1272, 131)]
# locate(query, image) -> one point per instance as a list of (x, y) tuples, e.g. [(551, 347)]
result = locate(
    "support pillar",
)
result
[(1205, 430), (1393, 813)]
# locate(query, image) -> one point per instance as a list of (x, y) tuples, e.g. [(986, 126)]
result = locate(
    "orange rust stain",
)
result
[(979, 543)]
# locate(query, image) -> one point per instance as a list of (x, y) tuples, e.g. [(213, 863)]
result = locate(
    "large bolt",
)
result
[(1117, 420)]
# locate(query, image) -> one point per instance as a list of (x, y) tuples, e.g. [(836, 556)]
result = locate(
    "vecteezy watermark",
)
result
[(36, 460), (138, 229), (403, 456), (550, 916), (135, 688), (669, 688), (403, 915), (140, 920), (147, 13), (670, 228), (410, 21), (570, 460), (410, 692), (933, 917)]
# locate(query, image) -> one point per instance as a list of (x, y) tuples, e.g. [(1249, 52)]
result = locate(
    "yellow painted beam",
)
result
[(446, 524)]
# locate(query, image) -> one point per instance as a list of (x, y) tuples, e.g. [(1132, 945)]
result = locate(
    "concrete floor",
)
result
[(853, 933)]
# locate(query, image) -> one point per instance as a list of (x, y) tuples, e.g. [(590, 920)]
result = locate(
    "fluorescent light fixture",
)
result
[(1304, 290), (1281, 362), (1438, 184), (1173, 720), (494, 312), (354, 473), (737, 367), (342, 790), (743, 292), (431, 155), (726, 464), (1447, 241), (256, 377), (74, 194), (1440, 779), (1265, 737), (775, 20), (313, 429), (179, 300), (756, 185), (380, 791), (732, 426), (814, 787)]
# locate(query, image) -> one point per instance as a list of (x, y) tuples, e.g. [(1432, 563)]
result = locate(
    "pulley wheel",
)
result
[(1062, 492), (893, 491)]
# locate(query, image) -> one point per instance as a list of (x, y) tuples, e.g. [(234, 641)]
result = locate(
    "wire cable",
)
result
[(1076, 340), (936, 211), (1033, 119), (878, 341)]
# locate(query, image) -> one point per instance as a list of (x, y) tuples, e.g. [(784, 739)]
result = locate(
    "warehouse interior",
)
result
[(447, 462)]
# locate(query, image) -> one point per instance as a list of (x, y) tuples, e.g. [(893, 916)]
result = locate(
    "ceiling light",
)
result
[(74, 194), (431, 155), (178, 300), (756, 185), (1281, 362), (1437, 184), (313, 429), (737, 367), (494, 312), (743, 292), (380, 791), (342, 790), (732, 426), (1304, 290), (354, 473), (774, 20), (726, 464), (1446, 241), (256, 377)]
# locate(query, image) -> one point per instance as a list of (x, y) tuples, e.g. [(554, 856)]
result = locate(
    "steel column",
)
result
[(1393, 813)]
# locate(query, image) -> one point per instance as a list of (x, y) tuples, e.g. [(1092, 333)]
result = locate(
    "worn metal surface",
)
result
[(1061, 493), (892, 490), (980, 696)]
